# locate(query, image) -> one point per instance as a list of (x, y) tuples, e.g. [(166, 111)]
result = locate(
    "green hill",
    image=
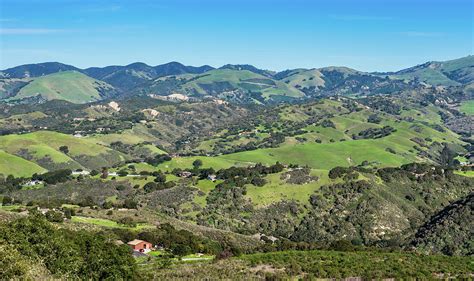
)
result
[(448, 73), (71, 86), (17, 166), (42, 149), (236, 84)]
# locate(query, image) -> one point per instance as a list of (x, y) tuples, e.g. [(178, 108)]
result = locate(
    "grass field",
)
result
[(17, 166), (208, 162), (107, 223), (465, 173), (467, 107), (276, 189), (325, 156), (42, 149), (68, 85), (243, 79)]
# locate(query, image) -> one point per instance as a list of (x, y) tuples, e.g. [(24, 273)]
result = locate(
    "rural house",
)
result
[(140, 245)]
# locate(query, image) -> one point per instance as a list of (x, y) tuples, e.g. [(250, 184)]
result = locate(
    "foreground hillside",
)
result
[(91, 252)]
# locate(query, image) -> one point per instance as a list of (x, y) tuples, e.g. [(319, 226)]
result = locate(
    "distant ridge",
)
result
[(241, 83)]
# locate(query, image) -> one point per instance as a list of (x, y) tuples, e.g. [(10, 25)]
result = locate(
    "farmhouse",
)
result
[(140, 245), (212, 177), (185, 174), (33, 183)]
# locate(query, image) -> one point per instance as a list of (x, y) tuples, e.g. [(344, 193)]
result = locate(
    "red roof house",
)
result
[(140, 245)]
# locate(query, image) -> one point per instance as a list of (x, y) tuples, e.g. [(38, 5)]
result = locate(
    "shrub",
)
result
[(54, 216)]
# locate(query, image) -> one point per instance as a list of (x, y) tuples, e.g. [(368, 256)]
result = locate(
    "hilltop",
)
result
[(234, 83), (71, 86)]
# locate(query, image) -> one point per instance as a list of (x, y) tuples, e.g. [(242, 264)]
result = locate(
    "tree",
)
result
[(54, 216), (197, 163), (150, 186), (122, 173), (128, 221), (181, 250), (105, 173), (64, 149), (160, 178), (447, 156), (6, 200)]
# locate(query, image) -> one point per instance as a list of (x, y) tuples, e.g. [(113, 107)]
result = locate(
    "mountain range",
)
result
[(237, 83)]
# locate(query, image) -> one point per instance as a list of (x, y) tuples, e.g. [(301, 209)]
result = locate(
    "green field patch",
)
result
[(326, 156), (276, 189), (108, 223), (467, 107), (72, 86), (208, 162), (17, 166), (469, 174)]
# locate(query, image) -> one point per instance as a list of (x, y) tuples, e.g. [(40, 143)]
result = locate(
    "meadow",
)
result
[(467, 107)]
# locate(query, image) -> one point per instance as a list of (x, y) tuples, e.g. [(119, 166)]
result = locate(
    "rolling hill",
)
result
[(39, 151), (447, 73), (36, 70), (71, 86), (133, 75), (239, 83)]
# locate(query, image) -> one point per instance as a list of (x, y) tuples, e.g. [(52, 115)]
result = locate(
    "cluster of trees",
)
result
[(374, 133), (64, 253), (239, 176), (179, 242), (158, 159), (374, 118), (10, 183), (298, 176), (53, 177)]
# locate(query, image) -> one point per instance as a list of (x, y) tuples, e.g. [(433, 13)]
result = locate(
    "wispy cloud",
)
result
[(28, 31), (359, 18), (103, 9), (7, 20), (421, 34)]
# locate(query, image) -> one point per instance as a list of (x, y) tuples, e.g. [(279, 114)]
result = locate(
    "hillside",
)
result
[(238, 83), (36, 70), (42, 152), (17, 166), (448, 73), (71, 86), (449, 231), (136, 74)]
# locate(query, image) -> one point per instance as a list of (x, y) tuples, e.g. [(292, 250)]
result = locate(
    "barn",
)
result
[(140, 245)]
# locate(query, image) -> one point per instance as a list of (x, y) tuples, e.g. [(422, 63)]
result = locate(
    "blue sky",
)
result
[(369, 35)]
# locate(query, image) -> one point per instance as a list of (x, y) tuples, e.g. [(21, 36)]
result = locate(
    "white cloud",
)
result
[(359, 18), (28, 31), (421, 34), (102, 9)]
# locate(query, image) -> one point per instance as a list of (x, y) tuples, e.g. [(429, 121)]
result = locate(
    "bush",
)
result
[(128, 221), (54, 216), (7, 200)]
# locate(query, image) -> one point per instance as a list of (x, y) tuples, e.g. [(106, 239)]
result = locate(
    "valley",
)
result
[(256, 170)]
